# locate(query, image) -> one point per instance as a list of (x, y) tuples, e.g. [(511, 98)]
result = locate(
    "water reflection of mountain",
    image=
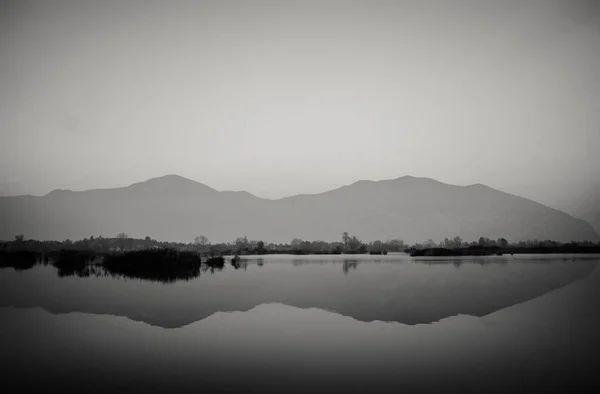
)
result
[(548, 342), (409, 292)]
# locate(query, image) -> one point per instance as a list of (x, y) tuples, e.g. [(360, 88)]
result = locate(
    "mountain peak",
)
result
[(172, 182), (57, 192), (415, 178), (363, 182), (405, 177), (168, 178), (175, 207)]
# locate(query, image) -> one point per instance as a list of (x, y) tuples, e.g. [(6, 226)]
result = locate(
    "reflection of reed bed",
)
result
[(215, 262), (481, 250), (74, 262), (163, 265), (159, 264), (237, 263), (378, 252), (444, 252), (19, 260)]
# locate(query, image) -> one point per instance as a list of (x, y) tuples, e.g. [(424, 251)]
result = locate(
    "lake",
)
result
[(282, 324)]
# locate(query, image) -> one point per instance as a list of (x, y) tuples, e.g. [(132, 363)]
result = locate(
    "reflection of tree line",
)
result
[(486, 247), (164, 265), (458, 262), (237, 263), (161, 265), (347, 265), (480, 250), (349, 244)]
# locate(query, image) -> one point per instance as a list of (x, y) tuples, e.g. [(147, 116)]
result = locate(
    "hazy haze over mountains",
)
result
[(176, 208), (286, 97)]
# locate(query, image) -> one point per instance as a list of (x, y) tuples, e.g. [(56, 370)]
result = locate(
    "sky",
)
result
[(281, 97)]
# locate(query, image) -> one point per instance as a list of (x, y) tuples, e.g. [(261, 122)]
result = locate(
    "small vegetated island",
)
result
[(154, 260)]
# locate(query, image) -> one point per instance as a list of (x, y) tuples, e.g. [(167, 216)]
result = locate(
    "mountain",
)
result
[(585, 205), (579, 198), (177, 208), (592, 217)]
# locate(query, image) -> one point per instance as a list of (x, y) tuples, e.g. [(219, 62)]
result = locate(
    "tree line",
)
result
[(348, 244)]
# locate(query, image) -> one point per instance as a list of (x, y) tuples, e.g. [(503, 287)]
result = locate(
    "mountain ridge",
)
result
[(175, 176), (178, 208)]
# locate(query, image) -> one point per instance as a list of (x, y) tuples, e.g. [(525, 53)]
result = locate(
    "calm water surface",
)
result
[(310, 324)]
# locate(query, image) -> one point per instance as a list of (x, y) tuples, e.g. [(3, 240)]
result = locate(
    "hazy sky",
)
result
[(279, 97)]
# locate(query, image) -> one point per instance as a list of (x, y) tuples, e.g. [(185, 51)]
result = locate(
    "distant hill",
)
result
[(177, 208), (585, 205), (589, 213), (592, 217)]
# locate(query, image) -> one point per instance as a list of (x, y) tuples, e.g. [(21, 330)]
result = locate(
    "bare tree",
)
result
[(457, 242), (354, 243), (241, 241), (346, 239), (201, 240), (430, 243)]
